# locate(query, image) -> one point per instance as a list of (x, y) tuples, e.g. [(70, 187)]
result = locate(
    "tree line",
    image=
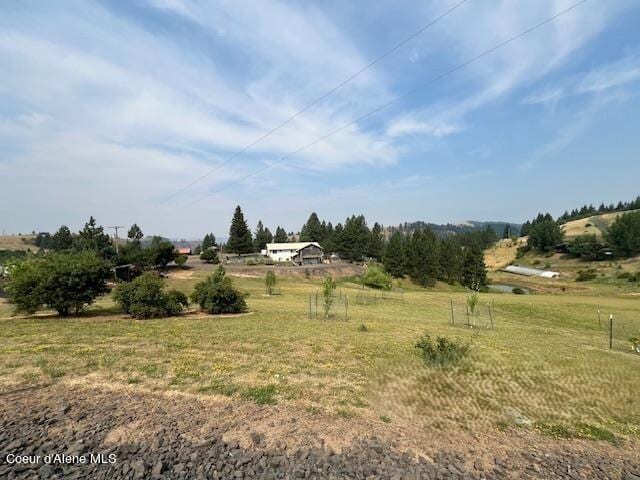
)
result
[(422, 255), (621, 239)]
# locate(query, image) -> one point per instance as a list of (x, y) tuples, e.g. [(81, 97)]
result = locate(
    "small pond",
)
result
[(503, 287)]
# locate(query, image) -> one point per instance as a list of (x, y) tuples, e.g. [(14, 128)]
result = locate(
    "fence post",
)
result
[(468, 322), (316, 304), (599, 322), (611, 331), (346, 307), (453, 319), (309, 307), (490, 314)]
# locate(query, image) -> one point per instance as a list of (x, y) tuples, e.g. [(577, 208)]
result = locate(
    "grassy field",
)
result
[(18, 242), (546, 365)]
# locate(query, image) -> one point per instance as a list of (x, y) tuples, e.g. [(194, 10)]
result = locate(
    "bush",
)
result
[(442, 352), (216, 295), (64, 282), (586, 275), (209, 256), (181, 260), (145, 297), (375, 277), (518, 291)]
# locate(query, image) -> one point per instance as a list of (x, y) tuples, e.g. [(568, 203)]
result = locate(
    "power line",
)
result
[(400, 97), (319, 99)]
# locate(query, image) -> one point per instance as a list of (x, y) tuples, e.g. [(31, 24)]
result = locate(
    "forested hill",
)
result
[(453, 229)]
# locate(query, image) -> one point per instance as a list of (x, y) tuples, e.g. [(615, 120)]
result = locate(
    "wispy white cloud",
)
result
[(618, 73), (410, 126)]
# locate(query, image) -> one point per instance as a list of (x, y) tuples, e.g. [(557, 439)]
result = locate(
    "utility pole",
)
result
[(116, 227)]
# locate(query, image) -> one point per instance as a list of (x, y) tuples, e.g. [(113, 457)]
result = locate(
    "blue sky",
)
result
[(111, 108)]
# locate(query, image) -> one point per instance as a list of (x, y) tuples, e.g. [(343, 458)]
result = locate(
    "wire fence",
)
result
[(336, 307), (621, 330), (367, 296), (481, 315)]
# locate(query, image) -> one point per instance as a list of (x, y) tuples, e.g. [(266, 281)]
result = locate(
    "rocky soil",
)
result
[(163, 436)]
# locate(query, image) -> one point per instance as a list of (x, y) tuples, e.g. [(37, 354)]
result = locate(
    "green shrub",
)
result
[(586, 275), (442, 352), (328, 287), (363, 328), (216, 295), (181, 260), (375, 277), (64, 282), (270, 281), (209, 256), (518, 291), (145, 297)]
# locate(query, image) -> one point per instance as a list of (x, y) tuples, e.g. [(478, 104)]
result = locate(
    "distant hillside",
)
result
[(594, 225), (453, 229)]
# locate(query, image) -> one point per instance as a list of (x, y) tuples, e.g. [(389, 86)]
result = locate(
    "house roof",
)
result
[(291, 246), (184, 250)]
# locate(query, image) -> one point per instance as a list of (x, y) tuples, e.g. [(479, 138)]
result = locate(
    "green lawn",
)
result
[(547, 360)]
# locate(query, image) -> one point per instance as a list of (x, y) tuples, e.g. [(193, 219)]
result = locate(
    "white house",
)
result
[(300, 253)]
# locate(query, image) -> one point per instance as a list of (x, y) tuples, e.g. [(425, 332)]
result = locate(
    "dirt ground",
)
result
[(177, 435)]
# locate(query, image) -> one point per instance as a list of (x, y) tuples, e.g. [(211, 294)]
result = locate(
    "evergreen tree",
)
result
[(208, 241), (376, 242), (451, 257), (281, 235), (312, 230), (240, 240), (328, 242), (338, 232), (62, 239), (507, 231), (424, 258), (92, 237), (354, 240), (262, 237), (474, 271), (135, 234), (526, 228), (395, 257), (545, 235), (624, 234)]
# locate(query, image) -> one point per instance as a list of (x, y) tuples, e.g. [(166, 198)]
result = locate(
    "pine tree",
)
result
[(451, 256), (328, 242), (281, 235), (262, 237), (395, 257), (312, 230), (376, 242), (240, 240), (135, 234), (506, 233), (208, 241), (92, 237), (354, 240), (424, 258), (62, 239), (474, 271)]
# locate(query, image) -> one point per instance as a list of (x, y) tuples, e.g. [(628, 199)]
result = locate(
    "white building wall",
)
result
[(282, 255)]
